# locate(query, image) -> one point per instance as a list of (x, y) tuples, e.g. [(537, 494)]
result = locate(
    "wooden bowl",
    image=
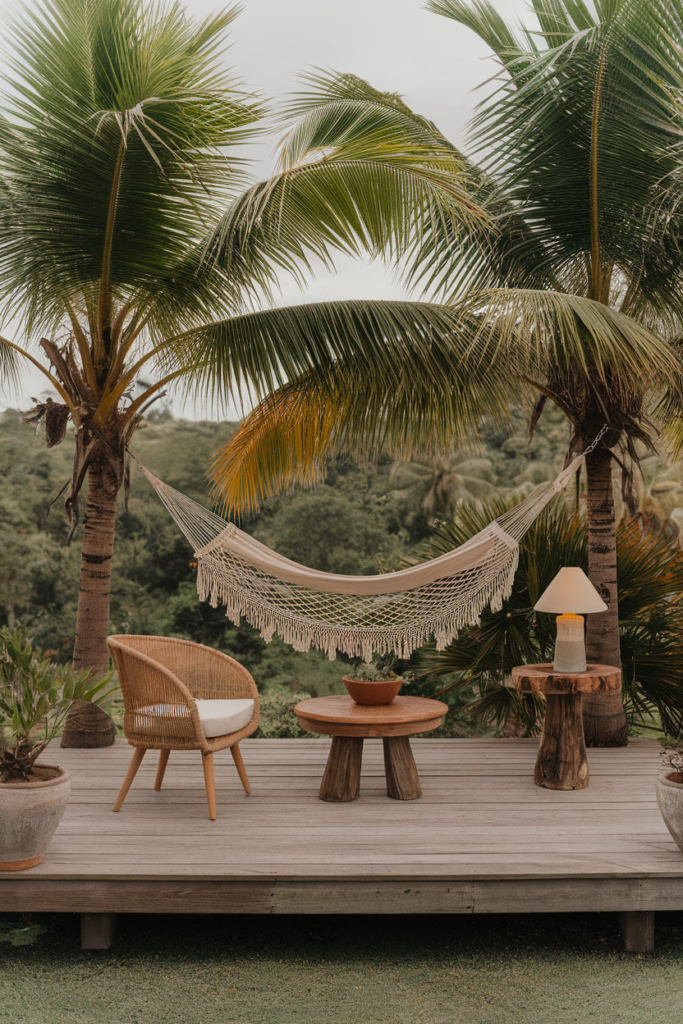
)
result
[(381, 691)]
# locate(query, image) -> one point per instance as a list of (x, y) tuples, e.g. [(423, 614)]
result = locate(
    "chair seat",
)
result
[(218, 717)]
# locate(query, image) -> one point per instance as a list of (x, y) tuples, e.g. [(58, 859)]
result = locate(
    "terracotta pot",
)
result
[(670, 800), (29, 815), (381, 691)]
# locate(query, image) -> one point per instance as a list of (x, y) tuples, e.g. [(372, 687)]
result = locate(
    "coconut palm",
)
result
[(131, 245), (443, 481), (576, 294)]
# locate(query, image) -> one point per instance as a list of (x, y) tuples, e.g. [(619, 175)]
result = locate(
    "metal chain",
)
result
[(594, 443)]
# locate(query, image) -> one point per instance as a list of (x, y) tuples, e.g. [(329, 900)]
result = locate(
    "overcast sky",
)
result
[(396, 45)]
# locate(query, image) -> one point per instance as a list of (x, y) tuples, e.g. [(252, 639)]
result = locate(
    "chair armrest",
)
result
[(148, 687)]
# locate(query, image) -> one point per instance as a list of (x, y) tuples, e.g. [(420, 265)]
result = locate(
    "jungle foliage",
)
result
[(361, 520)]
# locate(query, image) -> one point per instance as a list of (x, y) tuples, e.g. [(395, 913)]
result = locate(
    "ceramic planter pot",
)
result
[(29, 815), (382, 691), (670, 800)]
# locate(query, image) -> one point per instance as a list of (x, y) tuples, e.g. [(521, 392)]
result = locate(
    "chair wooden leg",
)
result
[(163, 761), (207, 764), (135, 762), (239, 765)]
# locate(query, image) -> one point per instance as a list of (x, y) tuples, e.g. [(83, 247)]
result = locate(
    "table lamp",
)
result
[(570, 594)]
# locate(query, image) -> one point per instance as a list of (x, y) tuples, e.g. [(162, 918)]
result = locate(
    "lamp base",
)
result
[(570, 647), (570, 657)]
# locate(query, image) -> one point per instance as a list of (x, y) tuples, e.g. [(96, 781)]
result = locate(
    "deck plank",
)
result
[(482, 837)]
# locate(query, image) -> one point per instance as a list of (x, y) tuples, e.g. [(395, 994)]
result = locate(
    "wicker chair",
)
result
[(162, 681)]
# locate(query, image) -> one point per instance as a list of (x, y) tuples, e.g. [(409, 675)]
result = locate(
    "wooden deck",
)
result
[(482, 839)]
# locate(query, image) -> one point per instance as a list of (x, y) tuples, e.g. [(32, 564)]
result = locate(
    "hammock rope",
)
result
[(358, 615)]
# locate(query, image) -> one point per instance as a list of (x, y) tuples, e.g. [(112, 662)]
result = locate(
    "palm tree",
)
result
[(581, 132), (575, 296), (129, 245), (445, 480)]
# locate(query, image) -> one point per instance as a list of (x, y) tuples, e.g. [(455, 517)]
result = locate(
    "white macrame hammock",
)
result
[(357, 615)]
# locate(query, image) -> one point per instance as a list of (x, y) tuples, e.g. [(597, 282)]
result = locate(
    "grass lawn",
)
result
[(353, 970)]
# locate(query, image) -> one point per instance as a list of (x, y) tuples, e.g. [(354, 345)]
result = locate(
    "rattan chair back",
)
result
[(160, 677)]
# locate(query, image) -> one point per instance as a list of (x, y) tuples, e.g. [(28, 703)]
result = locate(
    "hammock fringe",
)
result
[(356, 642), (357, 616)]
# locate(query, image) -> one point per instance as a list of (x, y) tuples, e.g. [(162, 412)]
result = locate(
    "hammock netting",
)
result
[(357, 615)]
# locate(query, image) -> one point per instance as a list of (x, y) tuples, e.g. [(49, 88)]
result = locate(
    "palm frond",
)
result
[(9, 376), (398, 376), (371, 340), (497, 704), (449, 263), (591, 104), (541, 331), (93, 85), (361, 173), (670, 409), (342, 112), (363, 377), (483, 18), (651, 668)]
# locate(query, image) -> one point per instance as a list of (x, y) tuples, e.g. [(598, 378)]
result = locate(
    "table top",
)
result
[(396, 718), (542, 679)]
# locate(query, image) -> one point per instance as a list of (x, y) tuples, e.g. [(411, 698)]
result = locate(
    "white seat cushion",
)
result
[(220, 717)]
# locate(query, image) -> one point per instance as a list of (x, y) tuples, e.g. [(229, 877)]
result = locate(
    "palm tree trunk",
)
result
[(92, 621), (603, 714)]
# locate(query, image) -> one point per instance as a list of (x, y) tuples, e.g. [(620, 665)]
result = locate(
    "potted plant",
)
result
[(374, 683), (670, 792), (35, 698)]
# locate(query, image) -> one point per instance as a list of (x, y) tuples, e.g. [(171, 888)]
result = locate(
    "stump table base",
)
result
[(341, 781), (403, 782), (349, 724), (561, 762)]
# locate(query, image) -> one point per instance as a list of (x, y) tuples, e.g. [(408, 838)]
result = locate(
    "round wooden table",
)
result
[(561, 762), (349, 723)]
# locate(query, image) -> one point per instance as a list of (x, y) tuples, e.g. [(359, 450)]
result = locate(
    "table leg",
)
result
[(403, 782), (341, 781), (562, 761)]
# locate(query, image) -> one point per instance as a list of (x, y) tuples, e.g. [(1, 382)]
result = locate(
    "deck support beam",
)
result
[(638, 930), (97, 930), (341, 895)]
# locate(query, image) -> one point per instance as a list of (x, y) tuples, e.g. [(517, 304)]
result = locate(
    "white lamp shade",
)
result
[(570, 591)]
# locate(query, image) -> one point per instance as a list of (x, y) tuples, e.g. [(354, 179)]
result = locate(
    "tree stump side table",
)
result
[(349, 723), (561, 762)]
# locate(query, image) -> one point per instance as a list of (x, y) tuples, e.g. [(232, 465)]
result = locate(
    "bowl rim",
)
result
[(18, 787), (662, 778)]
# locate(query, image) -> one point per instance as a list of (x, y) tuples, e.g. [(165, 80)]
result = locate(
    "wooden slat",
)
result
[(482, 838)]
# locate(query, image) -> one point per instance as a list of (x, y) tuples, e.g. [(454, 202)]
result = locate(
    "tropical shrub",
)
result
[(278, 720), (35, 698)]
